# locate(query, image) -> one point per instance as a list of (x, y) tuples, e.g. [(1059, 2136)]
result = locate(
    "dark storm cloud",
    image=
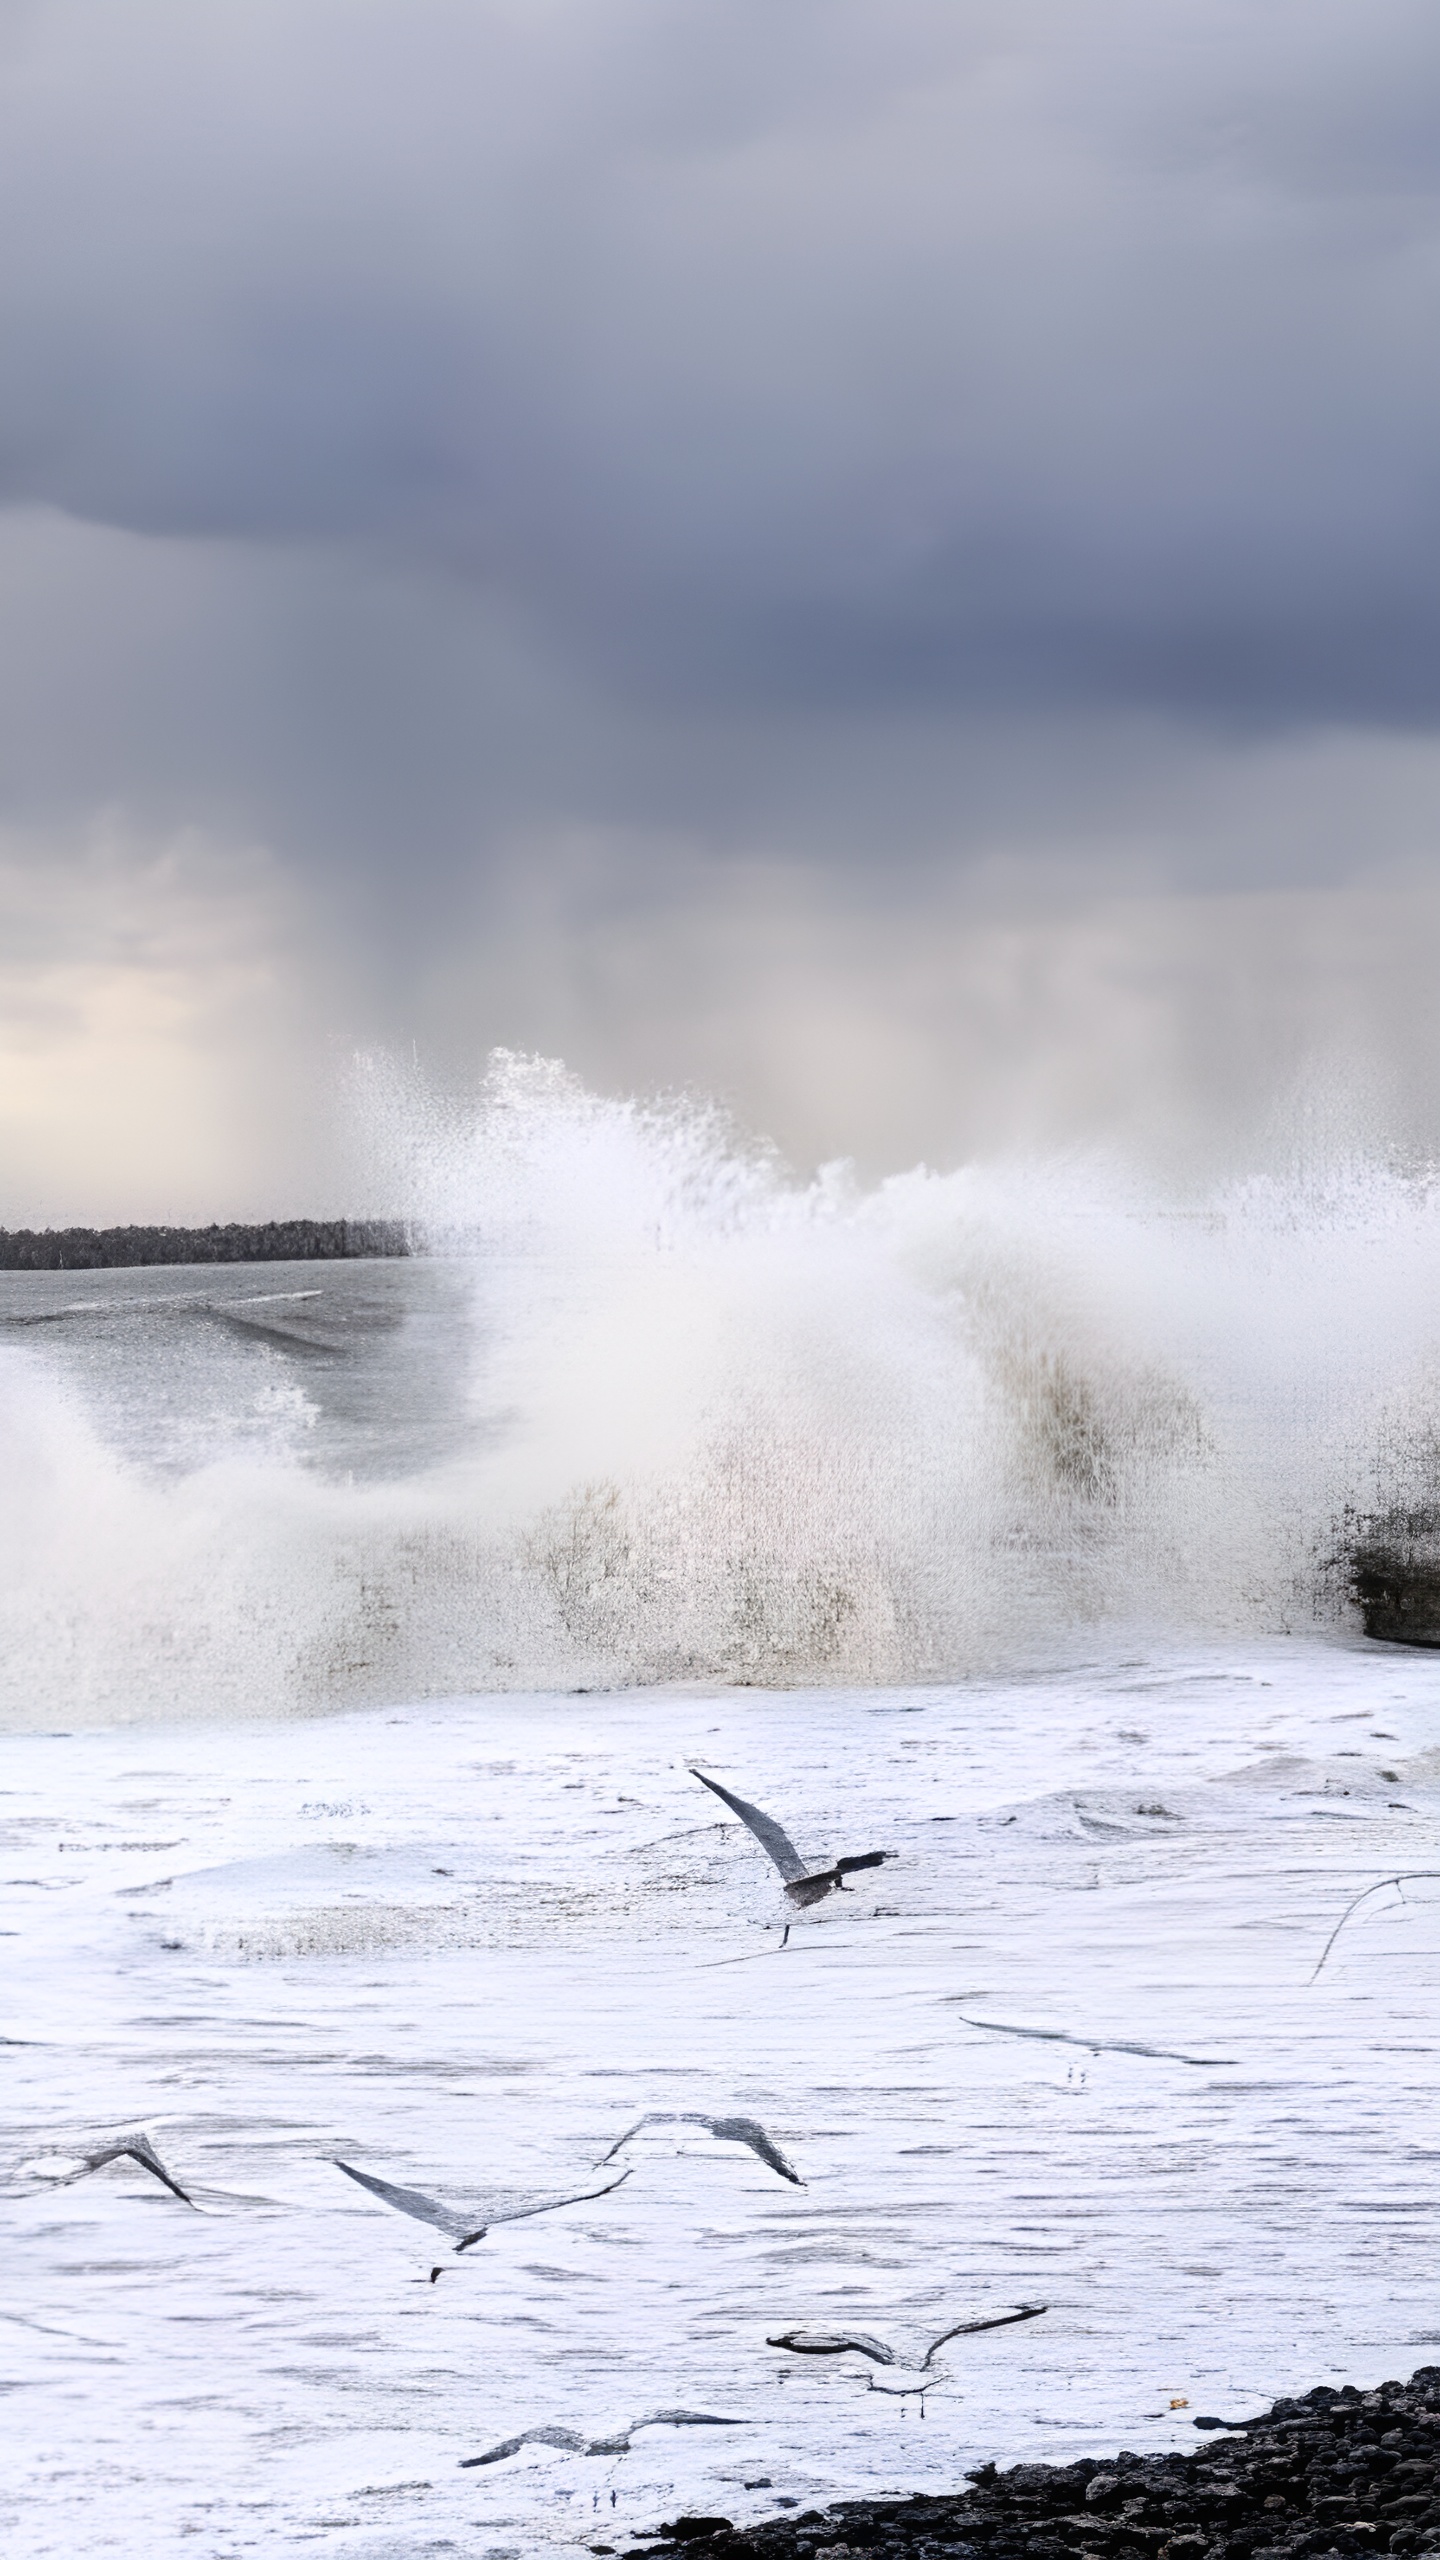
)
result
[(732, 361)]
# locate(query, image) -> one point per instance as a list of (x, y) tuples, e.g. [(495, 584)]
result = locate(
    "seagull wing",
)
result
[(552, 2204), (776, 1843), (681, 2418), (658, 2418), (567, 2441), (466, 2228), (409, 2200), (143, 2151), (1101, 2044), (638, 2128), (564, 2438), (968, 2328), (745, 2129), (620, 2443), (834, 2342), (725, 2129)]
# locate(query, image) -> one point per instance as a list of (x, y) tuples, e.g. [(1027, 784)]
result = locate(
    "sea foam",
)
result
[(710, 1422)]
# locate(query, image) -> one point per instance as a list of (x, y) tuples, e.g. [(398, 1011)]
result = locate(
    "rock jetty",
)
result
[(1337, 2473)]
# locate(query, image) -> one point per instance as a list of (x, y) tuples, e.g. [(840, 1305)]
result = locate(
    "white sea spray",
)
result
[(701, 1420)]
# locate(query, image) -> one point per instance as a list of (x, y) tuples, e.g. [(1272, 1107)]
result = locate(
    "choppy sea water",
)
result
[(360, 1627), (470, 1943), (651, 1411), (351, 1369)]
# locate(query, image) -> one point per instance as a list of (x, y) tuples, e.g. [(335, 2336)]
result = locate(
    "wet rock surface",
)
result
[(1395, 1576), (1337, 2472)]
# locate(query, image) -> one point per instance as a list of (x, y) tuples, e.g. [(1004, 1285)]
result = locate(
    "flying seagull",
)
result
[(725, 2129), (840, 2342), (466, 2228), (569, 2442), (1102, 2044), (800, 1885), (1415, 1875), (137, 2147)]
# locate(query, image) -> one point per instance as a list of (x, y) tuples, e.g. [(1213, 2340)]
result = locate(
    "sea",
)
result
[(365, 1626)]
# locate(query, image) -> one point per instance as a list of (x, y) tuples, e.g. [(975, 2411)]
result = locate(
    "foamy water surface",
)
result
[(359, 1627), (470, 1943)]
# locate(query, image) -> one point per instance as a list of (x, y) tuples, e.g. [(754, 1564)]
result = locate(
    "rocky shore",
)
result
[(1339, 2472)]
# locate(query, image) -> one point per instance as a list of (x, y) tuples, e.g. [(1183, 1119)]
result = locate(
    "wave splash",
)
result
[(714, 1424)]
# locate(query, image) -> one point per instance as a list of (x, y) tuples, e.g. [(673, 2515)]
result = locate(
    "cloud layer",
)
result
[(878, 445), (951, 352)]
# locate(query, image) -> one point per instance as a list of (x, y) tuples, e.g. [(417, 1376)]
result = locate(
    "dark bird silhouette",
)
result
[(801, 1885), (567, 2440), (466, 2228), (1101, 2044), (137, 2147), (840, 2342), (725, 2129)]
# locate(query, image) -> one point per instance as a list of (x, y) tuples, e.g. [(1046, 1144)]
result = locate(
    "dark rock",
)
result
[(1395, 1576), (1327, 2477)]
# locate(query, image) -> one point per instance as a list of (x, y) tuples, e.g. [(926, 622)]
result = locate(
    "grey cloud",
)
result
[(878, 559), (415, 751), (942, 357)]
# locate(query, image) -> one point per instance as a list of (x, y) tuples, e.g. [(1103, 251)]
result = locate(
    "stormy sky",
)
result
[(881, 561)]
